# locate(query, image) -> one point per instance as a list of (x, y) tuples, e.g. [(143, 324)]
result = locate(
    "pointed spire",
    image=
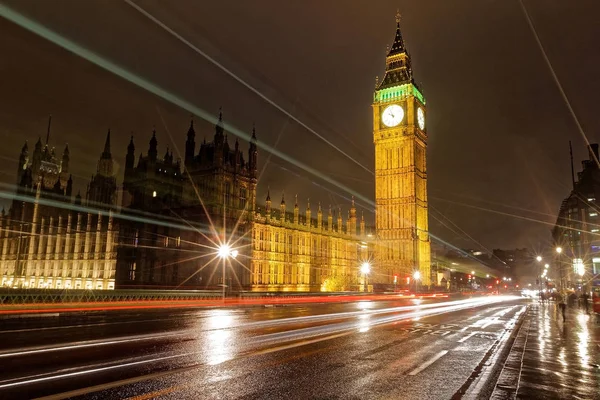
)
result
[(253, 132), (153, 150), (268, 194), (131, 146), (191, 132), (25, 148), (398, 45), (319, 207), (296, 203), (48, 131), (66, 151), (221, 114), (106, 153), (283, 198), (166, 157), (308, 204), (38, 144)]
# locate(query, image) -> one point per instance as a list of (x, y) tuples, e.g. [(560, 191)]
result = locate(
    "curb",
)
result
[(508, 382), (484, 378)]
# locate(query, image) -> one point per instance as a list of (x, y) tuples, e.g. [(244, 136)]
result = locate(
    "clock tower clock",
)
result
[(400, 137)]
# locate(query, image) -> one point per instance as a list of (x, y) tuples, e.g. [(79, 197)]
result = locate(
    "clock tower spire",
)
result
[(400, 139)]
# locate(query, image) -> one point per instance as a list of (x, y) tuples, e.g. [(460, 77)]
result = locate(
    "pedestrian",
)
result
[(561, 300), (585, 300)]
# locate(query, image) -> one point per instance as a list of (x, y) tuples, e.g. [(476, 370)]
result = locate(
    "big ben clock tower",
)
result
[(400, 137)]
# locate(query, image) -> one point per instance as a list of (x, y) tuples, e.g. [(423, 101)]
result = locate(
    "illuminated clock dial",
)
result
[(421, 118), (392, 115)]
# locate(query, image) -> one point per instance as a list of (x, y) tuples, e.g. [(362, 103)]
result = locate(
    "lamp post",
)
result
[(365, 269), (539, 276), (559, 252), (225, 252), (416, 277)]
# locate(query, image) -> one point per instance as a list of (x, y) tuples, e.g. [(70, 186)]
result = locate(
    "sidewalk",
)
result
[(552, 359)]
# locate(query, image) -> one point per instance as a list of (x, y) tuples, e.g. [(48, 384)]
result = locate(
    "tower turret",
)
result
[(330, 220), (130, 157), (64, 164), (105, 164), (268, 205), (282, 208), (190, 144), (296, 212), (362, 224), (69, 190), (23, 161), (319, 217), (253, 154), (308, 216), (153, 149), (340, 225)]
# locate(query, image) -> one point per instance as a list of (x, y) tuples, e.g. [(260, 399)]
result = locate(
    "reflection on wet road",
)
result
[(384, 349)]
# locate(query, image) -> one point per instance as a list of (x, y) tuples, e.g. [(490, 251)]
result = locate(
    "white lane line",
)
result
[(428, 362), (29, 381), (91, 343), (467, 337)]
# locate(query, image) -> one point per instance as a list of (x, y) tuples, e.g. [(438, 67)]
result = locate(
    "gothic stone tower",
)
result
[(400, 139)]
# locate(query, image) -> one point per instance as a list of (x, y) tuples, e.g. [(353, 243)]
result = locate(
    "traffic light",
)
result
[(497, 281), (469, 276)]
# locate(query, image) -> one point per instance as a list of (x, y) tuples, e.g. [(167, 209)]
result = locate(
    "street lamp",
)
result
[(365, 269), (538, 258), (416, 277), (559, 252), (224, 252)]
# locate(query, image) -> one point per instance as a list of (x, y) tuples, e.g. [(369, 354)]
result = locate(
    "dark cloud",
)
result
[(498, 127)]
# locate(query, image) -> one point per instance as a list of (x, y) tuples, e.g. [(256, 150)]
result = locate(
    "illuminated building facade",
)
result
[(174, 214), (400, 138), (294, 252), (206, 200), (577, 229), (48, 239)]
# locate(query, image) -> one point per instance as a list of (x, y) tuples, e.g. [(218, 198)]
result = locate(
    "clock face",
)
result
[(421, 118), (392, 115)]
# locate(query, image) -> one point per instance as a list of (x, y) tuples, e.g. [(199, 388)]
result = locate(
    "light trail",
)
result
[(280, 341), (240, 80)]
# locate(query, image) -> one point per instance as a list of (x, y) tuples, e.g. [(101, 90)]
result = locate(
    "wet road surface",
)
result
[(381, 350)]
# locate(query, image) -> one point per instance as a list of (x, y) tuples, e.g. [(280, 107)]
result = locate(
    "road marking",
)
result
[(428, 362), (30, 380), (467, 337), (91, 343)]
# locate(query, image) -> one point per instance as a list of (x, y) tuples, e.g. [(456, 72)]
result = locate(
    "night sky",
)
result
[(498, 128)]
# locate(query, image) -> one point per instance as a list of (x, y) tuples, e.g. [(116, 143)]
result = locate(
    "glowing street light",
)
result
[(539, 258), (365, 269), (546, 266), (487, 275), (225, 252), (416, 277), (559, 249)]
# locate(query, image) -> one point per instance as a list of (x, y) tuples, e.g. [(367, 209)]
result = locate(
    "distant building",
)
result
[(512, 263), (577, 229)]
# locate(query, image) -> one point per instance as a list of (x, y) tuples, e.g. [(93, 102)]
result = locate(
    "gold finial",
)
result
[(398, 16), (376, 81)]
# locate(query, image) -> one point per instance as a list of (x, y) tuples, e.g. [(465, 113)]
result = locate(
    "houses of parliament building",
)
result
[(195, 223)]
